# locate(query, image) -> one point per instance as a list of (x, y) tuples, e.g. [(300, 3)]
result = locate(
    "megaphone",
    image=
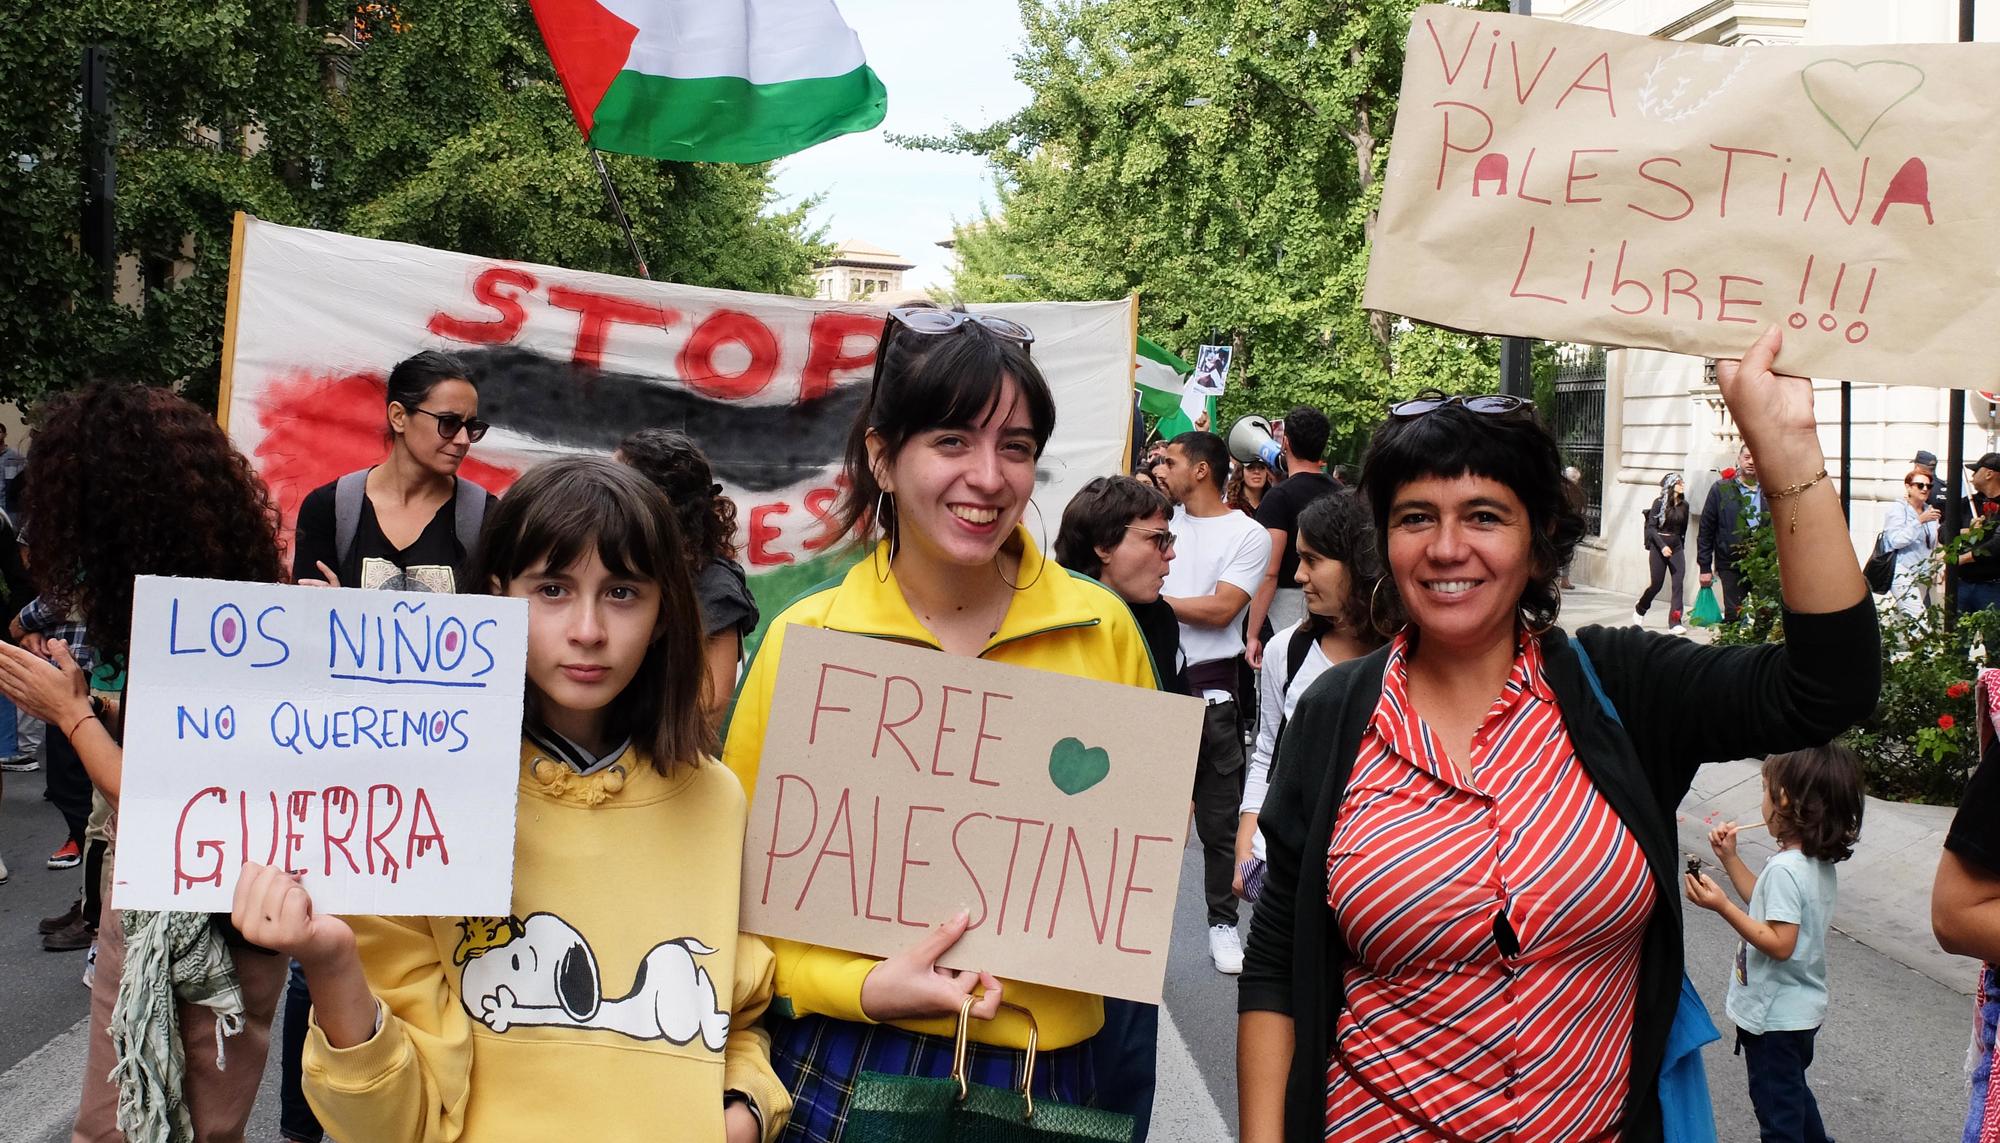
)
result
[(1250, 440)]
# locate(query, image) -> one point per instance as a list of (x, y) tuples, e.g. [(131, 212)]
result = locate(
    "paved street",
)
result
[(1889, 1066)]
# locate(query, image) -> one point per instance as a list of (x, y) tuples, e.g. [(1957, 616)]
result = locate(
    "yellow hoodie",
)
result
[(1058, 621), (618, 1001)]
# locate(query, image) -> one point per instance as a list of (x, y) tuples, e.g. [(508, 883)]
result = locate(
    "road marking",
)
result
[(38, 1095), (1183, 1111)]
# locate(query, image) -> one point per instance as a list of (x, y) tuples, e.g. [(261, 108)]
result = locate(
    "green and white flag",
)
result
[(720, 81), (1160, 377)]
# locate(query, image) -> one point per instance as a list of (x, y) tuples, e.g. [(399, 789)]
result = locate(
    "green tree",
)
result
[(1223, 161), (437, 122)]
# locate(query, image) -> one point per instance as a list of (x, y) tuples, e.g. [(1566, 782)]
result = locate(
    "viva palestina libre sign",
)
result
[(1590, 186), (899, 786), (368, 740)]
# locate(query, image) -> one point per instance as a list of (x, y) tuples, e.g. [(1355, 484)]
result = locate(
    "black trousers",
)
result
[(1734, 588), (1218, 801), (68, 785), (1661, 565), (1777, 1063)]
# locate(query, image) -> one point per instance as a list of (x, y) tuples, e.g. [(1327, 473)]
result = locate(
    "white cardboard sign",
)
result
[(369, 740)]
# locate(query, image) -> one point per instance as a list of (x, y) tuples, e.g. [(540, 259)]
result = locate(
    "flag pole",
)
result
[(618, 210)]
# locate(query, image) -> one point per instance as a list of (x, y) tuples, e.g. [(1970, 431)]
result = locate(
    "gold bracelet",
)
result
[(1794, 490)]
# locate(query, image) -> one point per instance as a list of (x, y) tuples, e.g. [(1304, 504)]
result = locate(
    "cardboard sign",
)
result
[(571, 362), (1560, 182), (370, 740), (900, 785)]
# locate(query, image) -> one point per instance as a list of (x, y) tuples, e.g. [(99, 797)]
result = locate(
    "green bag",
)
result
[(1706, 613), (915, 1109)]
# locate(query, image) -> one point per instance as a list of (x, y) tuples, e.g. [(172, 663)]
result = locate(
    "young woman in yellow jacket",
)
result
[(940, 465)]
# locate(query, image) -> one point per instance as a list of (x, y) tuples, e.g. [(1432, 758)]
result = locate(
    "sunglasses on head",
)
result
[(1486, 404), (449, 425), (1161, 538)]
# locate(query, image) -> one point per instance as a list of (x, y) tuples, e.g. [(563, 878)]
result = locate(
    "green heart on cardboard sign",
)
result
[(1074, 767)]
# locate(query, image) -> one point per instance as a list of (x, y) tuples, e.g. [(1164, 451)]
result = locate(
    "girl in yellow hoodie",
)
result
[(618, 1000), (941, 462)]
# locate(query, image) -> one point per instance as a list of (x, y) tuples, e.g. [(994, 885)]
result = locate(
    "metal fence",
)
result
[(1578, 425)]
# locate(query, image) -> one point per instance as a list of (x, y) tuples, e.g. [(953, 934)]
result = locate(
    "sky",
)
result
[(943, 63)]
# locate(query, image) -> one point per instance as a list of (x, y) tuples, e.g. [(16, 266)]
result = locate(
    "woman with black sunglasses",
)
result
[(409, 523), (1910, 533), (940, 468), (1469, 926)]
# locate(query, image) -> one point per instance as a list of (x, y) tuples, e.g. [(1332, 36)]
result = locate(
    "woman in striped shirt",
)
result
[(1470, 928)]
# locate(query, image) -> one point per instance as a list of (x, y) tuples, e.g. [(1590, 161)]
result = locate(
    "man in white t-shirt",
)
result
[(1219, 560)]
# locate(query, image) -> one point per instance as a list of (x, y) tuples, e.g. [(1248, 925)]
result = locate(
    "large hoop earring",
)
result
[(888, 534), (1040, 568), (1528, 625), (1374, 619)]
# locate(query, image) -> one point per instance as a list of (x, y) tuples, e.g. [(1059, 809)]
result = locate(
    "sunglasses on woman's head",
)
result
[(922, 319), (1486, 404), (449, 424)]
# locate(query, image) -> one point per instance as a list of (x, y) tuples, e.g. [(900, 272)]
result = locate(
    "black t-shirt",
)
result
[(1975, 831), (726, 603), (1162, 632), (1984, 566), (1280, 512), (434, 561)]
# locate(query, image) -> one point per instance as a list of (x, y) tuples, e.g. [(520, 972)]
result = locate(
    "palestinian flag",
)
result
[(1160, 378), (716, 81)]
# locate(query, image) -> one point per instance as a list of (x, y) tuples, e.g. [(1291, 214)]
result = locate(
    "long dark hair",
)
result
[(1513, 449), (1336, 526), (928, 381), (564, 508), (677, 466), (127, 480)]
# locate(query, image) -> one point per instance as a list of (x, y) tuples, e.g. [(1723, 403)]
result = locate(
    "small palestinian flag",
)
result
[(718, 81)]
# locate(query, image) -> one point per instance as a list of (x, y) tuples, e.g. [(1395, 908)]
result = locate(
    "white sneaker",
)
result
[(3, 872), (90, 969), (1678, 629), (1638, 619), (1225, 948)]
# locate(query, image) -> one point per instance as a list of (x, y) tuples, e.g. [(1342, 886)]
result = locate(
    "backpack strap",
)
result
[(1296, 652), (1590, 676), (349, 493), (468, 510)]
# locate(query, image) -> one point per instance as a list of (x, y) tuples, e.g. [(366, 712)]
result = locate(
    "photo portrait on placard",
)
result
[(1211, 371)]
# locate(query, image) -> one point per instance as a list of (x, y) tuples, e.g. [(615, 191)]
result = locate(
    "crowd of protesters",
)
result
[(1452, 820)]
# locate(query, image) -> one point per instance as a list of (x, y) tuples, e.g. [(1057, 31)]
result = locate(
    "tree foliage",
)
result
[(437, 122), (1224, 161)]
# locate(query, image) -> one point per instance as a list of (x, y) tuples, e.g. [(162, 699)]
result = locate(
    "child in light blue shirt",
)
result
[(1813, 801)]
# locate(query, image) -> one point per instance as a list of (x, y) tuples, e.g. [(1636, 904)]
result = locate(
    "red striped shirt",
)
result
[(1425, 855)]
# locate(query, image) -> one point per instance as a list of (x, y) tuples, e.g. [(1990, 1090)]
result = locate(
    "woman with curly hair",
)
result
[(1247, 485), (1470, 925), (409, 523), (1337, 575), (673, 462), (127, 480)]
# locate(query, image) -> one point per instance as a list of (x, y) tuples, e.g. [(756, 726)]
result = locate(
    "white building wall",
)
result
[(1661, 413)]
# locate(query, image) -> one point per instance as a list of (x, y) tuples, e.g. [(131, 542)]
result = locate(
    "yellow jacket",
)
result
[(1059, 621), (617, 1002)]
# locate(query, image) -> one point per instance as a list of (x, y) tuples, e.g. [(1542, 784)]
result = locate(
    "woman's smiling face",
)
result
[(1461, 551), (959, 492)]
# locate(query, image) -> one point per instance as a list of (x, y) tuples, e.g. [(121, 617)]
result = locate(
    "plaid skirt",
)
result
[(818, 1060)]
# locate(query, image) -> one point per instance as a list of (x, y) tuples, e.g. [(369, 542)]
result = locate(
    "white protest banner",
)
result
[(568, 362), (367, 739), (1560, 182), (899, 785)]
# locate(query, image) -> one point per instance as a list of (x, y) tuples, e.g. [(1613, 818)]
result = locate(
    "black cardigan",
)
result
[(1682, 704)]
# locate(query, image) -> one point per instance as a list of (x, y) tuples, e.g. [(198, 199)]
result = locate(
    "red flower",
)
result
[(1946, 722), (1728, 474), (1958, 690)]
